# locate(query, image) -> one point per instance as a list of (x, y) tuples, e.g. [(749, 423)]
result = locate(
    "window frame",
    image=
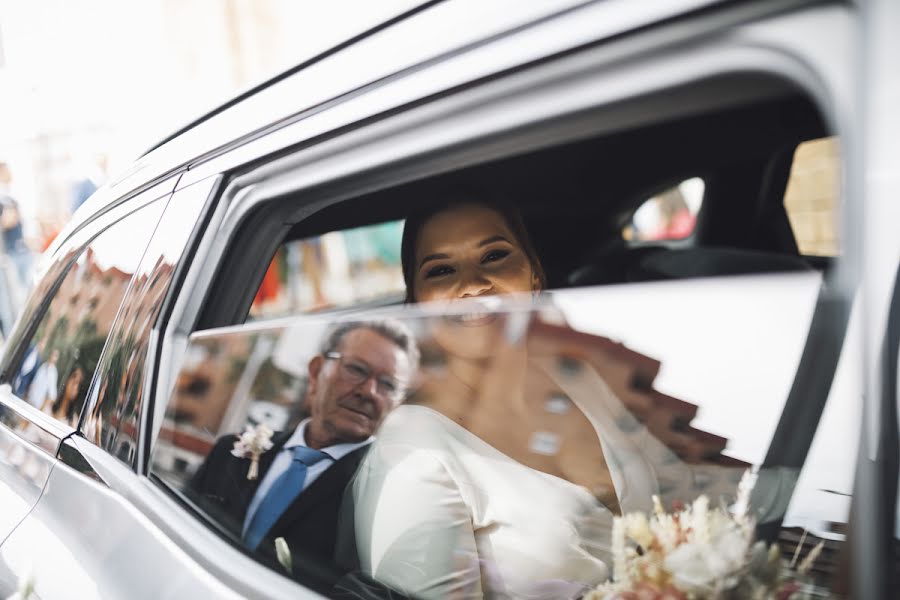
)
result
[(383, 154)]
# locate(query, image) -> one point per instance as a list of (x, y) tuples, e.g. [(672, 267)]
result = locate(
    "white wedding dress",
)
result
[(440, 513)]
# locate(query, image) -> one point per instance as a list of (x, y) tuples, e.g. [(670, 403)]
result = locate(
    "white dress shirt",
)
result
[(283, 461)]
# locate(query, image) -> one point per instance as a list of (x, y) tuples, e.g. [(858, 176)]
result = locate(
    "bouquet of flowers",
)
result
[(698, 553)]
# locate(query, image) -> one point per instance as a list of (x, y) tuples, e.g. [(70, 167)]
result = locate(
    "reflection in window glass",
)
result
[(811, 196), (61, 359), (669, 215), (117, 397), (340, 268), (526, 433)]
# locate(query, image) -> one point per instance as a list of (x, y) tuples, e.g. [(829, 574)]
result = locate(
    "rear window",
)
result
[(669, 215), (333, 270)]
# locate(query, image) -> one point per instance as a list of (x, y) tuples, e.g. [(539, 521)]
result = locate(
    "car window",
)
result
[(116, 398), (669, 215), (338, 269), (811, 196), (62, 353), (539, 448), (585, 406)]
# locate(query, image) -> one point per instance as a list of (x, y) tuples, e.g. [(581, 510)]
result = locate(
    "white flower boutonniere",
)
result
[(284, 554), (251, 444)]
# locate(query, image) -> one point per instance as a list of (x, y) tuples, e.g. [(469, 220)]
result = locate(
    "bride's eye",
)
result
[(494, 256), (438, 271)]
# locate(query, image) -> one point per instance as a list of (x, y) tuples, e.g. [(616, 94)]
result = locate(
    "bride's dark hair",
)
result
[(461, 197)]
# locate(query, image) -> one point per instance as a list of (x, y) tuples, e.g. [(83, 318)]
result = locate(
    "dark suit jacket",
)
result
[(309, 525)]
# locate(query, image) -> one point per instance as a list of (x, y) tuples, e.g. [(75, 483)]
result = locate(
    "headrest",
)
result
[(711, 262), (655, 263)]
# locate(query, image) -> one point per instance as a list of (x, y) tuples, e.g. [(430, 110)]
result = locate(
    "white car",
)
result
[(712, 189)]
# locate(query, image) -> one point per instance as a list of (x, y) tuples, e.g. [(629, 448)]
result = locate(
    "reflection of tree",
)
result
[(270, 382), (238, 362), (57, 334)]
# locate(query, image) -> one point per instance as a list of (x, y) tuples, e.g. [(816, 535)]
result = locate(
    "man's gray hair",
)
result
[(391, 330)]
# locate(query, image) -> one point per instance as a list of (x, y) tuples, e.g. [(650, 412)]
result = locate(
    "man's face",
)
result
[(343, 408)]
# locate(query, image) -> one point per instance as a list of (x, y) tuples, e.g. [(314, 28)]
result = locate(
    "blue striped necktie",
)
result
[(283, 492)]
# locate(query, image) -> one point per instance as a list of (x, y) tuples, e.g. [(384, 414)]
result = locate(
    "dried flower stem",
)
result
[(799, 546), (807, 563)]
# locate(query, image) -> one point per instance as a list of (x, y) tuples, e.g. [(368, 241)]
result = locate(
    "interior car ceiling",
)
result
[(576, 198)]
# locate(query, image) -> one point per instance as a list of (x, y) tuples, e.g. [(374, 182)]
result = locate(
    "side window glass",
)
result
[(63, 351), (507, 457), (337, 269), (811, 197), (669, 215), (117, 395)]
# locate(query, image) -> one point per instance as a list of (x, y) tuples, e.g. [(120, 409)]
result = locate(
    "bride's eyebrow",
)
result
[(492, 239), (433, 257)]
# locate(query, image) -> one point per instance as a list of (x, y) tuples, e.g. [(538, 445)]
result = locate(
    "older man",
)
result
[(360, 374)]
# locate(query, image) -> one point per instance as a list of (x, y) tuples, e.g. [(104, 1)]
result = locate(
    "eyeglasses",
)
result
[(357, 372)]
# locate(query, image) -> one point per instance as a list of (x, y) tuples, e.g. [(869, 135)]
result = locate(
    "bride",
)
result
[(447, 503)]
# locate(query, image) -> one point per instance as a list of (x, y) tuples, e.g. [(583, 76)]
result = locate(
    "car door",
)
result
[(516, 113), (54, 352)]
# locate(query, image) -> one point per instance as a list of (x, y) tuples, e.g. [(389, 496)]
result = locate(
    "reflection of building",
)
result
[(223, 379), (222, 375), (89, 292), (631, 375), (553, 436)]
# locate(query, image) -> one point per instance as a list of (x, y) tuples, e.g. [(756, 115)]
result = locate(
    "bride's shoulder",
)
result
[(416, 416)]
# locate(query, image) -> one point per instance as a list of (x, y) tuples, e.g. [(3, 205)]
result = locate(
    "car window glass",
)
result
[(62, 354), (820, 507), (669, 215), (118, 391), (811, 196), (526, 431), (337, 269)]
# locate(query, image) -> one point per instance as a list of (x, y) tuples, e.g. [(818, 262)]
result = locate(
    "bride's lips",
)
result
[(473, 319)]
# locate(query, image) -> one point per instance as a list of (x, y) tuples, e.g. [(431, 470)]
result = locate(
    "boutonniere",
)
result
[(283, 553), (251, 444)]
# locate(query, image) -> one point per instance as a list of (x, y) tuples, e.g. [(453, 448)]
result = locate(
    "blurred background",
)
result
[(86, 87)]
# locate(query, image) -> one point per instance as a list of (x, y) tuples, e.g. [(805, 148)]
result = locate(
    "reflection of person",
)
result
[(45, 384), (30, 365), (87, 183), (440, 511), (360, 374), (63, 409)]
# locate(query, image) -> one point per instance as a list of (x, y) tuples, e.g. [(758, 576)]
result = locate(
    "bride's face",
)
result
[(469, 251), (465, 253)]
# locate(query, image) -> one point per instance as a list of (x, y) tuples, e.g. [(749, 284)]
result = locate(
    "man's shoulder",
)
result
[(226, 440), (355, 456)]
